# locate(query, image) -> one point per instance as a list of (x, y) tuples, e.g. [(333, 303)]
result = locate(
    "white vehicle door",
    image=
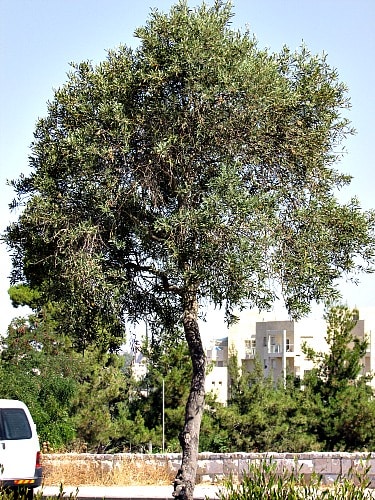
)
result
[(17, 445)]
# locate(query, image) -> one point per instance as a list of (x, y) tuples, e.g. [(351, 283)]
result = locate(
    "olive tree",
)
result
[(194, 169)]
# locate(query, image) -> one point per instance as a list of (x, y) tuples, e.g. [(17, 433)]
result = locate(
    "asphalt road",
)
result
[(201, 492)]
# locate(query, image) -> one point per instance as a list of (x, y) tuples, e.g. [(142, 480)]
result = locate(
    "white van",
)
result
[(20, 464)]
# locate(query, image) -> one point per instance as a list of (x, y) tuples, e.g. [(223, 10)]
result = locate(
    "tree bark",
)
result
[(189, 438)]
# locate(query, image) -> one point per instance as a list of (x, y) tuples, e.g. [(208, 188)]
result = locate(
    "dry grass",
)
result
[(128, 471)]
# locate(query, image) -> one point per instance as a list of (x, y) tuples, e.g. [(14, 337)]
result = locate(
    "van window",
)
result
[(14, 424)]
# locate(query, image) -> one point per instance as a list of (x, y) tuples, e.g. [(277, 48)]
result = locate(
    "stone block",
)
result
[(215, 467), (329, 479), (230, 467), (346, 465), (106, 466), (243, 466), (305, 466), (322, 465)]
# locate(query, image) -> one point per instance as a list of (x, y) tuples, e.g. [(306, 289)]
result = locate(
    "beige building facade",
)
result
[(276, 344)]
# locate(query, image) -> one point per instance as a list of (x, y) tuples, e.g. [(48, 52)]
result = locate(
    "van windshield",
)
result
[(14, 424)]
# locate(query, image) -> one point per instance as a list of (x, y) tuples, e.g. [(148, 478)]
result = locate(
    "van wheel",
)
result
[(24, 494), (29, 494)]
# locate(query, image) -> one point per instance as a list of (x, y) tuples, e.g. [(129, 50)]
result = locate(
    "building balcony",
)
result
[(250, 353), (278, 349), (275, 349)]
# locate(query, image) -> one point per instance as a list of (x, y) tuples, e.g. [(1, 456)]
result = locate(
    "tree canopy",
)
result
[(195, 168)]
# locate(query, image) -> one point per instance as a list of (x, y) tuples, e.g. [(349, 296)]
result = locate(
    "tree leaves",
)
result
[(195, 162)]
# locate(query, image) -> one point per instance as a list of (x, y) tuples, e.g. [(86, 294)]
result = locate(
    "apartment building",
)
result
[(276, 344)]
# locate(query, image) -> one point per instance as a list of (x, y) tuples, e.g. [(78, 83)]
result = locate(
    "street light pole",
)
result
[(163, 422)]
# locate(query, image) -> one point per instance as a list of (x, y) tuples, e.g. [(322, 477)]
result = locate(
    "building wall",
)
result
[(217, 383), (277, 344), (274, 343), (217, 374)]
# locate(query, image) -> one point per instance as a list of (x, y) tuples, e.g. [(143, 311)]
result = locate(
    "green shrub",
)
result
[(264, 482)]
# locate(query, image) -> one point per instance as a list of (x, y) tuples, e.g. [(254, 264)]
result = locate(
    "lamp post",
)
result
[(163, 420)]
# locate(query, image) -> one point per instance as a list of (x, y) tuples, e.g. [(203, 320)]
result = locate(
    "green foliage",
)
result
[(342, 365), (92, 400), (330, 411), (72, 397), (167, 362), (262, 415), (194, 169), (21, 295), (342, 398), (195, 152), (264, 481), (28, 494), (101, 389), (37, 367)]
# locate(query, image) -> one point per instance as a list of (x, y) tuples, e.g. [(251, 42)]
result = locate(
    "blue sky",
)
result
[(38, 39)]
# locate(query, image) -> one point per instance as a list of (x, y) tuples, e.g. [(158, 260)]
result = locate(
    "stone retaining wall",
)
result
[(214, 467)]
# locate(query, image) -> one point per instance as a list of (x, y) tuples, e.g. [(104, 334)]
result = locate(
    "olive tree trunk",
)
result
[(189, 438)]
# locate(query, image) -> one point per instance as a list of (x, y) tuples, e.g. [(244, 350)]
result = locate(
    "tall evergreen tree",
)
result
[(38, 368), (343, 398), (166, 383), (264, 414), (63, 388)]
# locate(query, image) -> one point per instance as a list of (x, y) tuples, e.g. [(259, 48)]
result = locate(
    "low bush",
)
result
[(264, 482)]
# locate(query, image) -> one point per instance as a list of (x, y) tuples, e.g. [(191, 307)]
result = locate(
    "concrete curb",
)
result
[(201, 492)]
